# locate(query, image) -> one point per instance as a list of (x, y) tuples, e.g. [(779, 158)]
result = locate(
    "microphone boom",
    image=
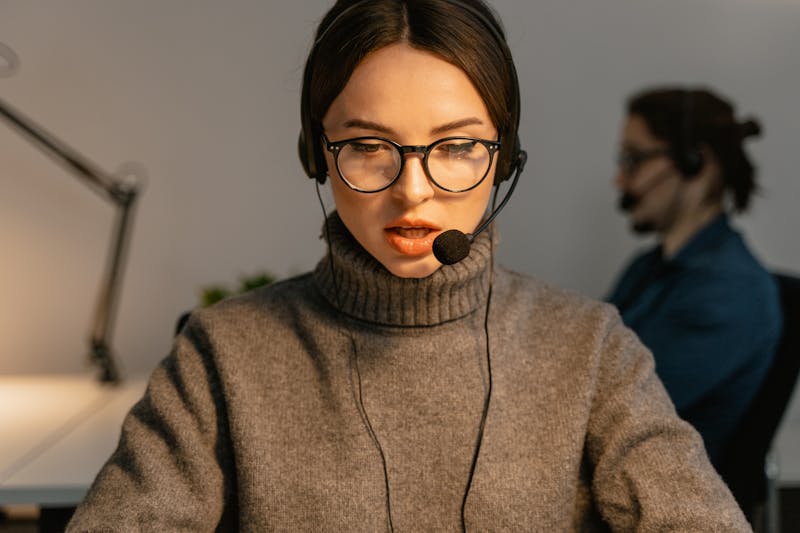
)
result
[(453, 245)]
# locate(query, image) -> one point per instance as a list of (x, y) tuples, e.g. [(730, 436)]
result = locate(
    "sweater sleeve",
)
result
[(170, 470), (650, 469)]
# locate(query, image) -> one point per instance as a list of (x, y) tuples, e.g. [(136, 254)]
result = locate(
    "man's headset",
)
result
[(687, 156), (309, 144)]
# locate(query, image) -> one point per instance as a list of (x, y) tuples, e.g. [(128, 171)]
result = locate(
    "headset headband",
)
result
[(687, 157), (310, 151)]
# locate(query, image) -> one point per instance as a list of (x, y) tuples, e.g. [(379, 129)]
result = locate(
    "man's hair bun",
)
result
[(749, 128)]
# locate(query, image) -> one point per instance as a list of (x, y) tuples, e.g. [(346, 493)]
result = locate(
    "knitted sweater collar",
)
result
[(364, 289)]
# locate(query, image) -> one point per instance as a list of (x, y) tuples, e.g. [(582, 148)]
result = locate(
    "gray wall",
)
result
[(205, 95)]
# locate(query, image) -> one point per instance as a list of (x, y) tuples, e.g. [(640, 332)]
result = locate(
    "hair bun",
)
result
[(749, 128)]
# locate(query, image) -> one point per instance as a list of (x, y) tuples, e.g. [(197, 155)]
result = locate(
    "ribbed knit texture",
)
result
[(253, 423), (364, 289)]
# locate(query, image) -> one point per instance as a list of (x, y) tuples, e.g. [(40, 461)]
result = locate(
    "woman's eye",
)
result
[(458, 148), (366, 148)]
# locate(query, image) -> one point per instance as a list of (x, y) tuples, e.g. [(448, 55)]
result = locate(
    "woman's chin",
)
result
[(418, 267)]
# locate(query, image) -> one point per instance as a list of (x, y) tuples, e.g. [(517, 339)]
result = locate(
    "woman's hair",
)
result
[(465, 33), (688, 119)]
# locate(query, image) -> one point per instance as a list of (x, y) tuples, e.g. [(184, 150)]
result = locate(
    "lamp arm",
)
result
[(123, 194), (101, 353), (95, 178)]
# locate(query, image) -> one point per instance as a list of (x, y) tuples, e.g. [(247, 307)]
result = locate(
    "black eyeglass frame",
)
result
[(335, 148), (629, 161)]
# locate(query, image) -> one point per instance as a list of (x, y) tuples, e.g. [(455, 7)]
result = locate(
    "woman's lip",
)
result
[(411, 236), (412, 241), (409, 223)]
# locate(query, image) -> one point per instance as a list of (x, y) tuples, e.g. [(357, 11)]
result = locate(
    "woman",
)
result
[(384, 391), (699, 299)]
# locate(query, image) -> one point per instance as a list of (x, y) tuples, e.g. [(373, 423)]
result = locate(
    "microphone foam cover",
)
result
[(451, 247)]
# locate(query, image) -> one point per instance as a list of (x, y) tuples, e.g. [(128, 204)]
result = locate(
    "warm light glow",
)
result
[(37, 406)]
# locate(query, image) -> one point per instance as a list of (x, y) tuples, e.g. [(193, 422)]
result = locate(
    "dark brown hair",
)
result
[(688, 119), (465, 33)]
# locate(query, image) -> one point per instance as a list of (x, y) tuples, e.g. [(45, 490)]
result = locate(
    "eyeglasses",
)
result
[(629, 160), (372, 164)]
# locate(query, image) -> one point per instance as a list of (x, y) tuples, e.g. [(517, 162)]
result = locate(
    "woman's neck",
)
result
[(359, 286)]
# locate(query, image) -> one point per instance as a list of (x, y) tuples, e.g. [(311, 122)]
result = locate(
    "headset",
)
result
[(687, 156), (309, 147)]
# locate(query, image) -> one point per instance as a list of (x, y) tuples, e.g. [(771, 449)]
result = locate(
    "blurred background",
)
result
[(205, 95)]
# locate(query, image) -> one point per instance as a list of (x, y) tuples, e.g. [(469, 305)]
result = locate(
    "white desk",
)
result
[(56, 431)]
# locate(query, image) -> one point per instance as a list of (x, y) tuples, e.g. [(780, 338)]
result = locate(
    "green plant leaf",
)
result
[(213, 294), (253, 282)]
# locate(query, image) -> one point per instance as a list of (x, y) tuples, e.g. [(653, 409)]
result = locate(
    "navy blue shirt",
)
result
[(711, 316)]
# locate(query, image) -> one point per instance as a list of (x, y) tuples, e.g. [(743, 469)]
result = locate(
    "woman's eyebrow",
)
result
[(368, 125), (456, 124), (376, 126)]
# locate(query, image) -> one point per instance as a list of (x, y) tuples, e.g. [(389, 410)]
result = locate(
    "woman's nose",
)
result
[(413, 186)]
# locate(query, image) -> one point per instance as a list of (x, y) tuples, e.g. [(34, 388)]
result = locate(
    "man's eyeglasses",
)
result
[(629, 161), (372, 164)]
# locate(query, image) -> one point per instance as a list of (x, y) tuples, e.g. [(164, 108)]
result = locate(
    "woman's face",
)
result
[(411, 97)]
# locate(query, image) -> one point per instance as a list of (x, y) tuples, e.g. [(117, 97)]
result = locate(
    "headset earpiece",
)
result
[(691, 162), (311, 156), (312, 160), (508, 161)]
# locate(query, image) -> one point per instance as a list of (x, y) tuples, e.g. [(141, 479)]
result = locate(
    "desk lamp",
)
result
[(121, 190)]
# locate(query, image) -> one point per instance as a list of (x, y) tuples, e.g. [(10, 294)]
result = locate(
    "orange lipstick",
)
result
[(412, 237)]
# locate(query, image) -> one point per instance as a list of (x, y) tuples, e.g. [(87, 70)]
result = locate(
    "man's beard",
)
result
[(643, 227), (626, 203)]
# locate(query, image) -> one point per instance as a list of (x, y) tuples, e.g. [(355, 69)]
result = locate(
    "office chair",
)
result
[(744, 465)]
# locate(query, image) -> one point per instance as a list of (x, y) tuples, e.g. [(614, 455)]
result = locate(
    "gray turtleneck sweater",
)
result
[(258, 420)]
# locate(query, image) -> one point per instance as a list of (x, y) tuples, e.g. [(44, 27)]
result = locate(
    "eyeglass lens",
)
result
[(629, 160), (453, 164)]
